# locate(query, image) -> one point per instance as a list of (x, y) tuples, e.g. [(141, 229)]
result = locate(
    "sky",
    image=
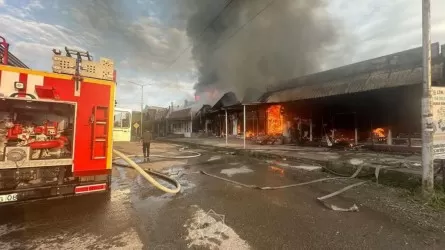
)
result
[(144, 38)]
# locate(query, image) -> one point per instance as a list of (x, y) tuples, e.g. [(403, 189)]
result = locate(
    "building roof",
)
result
[(252, 95), (354, 84), (203, 110), (407, 58), (182, 114), (228, 99), (152, 107), (161, 113), (398, 69)]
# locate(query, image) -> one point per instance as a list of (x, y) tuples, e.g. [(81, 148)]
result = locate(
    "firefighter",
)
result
[(146, 140)]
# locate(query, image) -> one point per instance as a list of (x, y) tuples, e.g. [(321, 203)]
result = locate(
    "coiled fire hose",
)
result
[(146, 173)]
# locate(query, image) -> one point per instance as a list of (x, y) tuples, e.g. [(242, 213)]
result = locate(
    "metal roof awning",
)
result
[(183, 114), (354, 84)]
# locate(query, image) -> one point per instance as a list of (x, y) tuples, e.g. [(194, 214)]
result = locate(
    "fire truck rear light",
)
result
[(90, 188)]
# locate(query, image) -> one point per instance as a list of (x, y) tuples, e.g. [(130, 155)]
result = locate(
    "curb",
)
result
[(387, 176)]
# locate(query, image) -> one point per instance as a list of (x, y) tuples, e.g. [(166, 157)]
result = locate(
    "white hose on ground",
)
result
[(194, 155), (147, 176), (166, 156)]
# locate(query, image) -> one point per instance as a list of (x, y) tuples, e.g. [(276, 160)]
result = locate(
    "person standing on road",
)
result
[(146, 140)]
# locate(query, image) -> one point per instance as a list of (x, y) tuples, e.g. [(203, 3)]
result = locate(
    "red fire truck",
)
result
[(55, 128)]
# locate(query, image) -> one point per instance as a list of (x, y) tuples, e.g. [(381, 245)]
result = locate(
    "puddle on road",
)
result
[(209, 230), (146, 191), (306, 167), (278, 163), (276, 170), (137, 160), (214, 158), (299, 167), (233, 171)]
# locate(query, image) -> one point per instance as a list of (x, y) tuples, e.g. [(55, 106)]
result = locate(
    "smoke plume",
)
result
[(289, 38), (147, 40)]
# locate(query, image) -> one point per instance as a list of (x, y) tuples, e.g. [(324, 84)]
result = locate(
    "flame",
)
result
[(379, 132), (278, 170), (274, 120), (249, 134)]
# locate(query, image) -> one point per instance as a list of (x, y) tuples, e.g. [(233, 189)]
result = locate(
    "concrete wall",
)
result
[(181, 127), (235, 125)]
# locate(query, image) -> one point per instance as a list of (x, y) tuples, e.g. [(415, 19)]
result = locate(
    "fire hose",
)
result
[(353, 208), (146, 172)]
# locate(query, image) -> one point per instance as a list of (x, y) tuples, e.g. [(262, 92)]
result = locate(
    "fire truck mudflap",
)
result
[(55, 134)]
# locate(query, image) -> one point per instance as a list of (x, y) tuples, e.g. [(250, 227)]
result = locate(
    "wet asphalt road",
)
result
[(210, 213)]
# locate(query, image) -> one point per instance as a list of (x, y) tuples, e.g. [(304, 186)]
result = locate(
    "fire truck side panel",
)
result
[(92, 95), (94, 115)]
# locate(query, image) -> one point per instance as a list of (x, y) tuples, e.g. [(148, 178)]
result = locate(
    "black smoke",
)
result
[(289, 38)]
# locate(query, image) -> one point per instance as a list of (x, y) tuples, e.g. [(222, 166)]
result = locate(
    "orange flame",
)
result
[(278, 170), (249, 134), (379, 132), (274, 120)]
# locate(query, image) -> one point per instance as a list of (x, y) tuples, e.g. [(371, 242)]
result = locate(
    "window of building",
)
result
[(122, 119)]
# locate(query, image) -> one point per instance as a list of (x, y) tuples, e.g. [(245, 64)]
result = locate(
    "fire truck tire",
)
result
[(16, 94), (109, 183)]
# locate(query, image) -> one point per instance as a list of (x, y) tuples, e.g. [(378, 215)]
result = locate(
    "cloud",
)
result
[(160, 46), (33, 41), (34, 4), (143, 49), (384, 27), (145, 41), (144, 37), (20, 8), (160, 92)]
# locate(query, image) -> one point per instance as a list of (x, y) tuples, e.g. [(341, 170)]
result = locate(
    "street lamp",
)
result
[(142, 103)]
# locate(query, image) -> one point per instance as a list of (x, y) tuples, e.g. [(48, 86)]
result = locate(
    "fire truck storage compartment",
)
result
[(35, 133)]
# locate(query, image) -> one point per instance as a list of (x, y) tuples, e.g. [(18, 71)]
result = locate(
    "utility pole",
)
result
[(244, 126), (142, 109), (141, 129), (427, 131), (227, 124)]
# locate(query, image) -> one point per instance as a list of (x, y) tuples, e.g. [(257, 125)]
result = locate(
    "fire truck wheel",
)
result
[(16, 94), (109, 183)]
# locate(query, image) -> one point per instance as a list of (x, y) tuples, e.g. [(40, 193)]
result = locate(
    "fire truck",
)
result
[(55, 127)]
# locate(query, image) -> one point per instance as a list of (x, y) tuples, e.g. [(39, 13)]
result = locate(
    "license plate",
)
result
[(8, 197)]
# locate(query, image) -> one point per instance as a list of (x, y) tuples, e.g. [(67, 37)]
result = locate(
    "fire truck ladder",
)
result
[(99, 133)]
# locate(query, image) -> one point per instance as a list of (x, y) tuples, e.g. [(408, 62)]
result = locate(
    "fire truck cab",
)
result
[(55, 127)]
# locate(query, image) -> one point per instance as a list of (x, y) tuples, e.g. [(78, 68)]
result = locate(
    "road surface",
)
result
[(213, 214)]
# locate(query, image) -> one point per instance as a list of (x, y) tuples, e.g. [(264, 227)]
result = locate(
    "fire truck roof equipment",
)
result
[(7, 57)]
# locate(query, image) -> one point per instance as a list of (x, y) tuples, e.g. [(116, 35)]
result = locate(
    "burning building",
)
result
[(374, 102)]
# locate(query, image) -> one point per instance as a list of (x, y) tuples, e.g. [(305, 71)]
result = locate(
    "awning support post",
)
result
[(244, 125), (389, 139), (355, 129), (310, 130), (227, 125)]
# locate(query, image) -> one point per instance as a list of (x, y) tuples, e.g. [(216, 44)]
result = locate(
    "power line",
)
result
[(246, 23), (229, 2), (233, 34)]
